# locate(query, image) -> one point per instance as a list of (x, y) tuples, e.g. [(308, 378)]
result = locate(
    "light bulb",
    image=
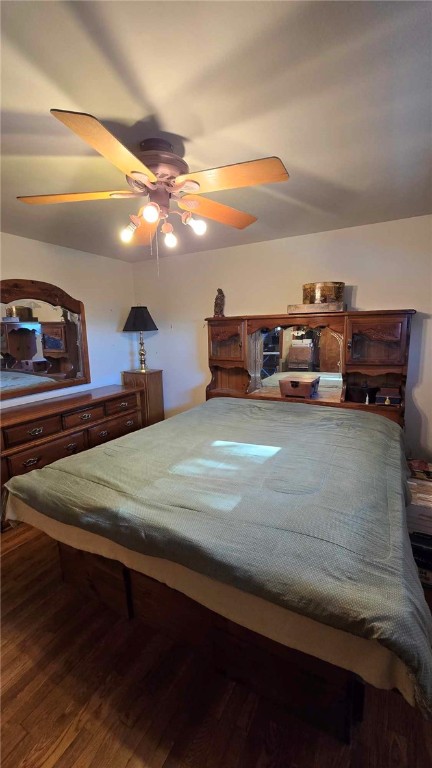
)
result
[(127, 233), (170, 240), (199, 226), (151, 212)]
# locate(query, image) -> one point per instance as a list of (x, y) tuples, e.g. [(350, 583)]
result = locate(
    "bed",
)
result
[(11, 380), (283, 518)]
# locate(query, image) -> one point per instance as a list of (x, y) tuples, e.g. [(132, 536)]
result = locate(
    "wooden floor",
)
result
[(82, 688)]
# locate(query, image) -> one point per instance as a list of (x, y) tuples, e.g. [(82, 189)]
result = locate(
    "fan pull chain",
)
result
[(157, 251)]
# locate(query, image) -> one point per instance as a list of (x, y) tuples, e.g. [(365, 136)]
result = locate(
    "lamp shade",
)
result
[(140, 319)]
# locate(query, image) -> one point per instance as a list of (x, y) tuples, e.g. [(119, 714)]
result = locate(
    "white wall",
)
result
[(385, 266), (103, 285)]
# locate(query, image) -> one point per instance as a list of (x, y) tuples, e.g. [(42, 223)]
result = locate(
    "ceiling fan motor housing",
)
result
[(158, 155)]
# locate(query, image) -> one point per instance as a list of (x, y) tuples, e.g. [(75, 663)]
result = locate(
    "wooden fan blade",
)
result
[(265, 171), (145, 232), (211, 210), (90, 130), (75, 197)]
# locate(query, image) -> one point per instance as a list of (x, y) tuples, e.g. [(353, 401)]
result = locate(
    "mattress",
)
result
[(301, 507)]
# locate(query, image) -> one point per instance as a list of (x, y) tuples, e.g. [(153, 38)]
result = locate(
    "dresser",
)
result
[(37, 434)]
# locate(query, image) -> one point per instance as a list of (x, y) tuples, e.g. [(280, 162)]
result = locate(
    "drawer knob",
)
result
[(103, 433), (123, 405), (35, 431), (71, 447), (30, 462), (85, 416), (129, 423)]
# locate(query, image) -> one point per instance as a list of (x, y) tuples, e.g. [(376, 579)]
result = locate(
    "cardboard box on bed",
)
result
[(304, 386)]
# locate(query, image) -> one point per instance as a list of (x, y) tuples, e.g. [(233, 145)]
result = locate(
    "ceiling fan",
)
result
[(162, 176)]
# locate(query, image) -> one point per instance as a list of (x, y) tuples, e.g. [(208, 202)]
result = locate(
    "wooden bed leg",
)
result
[(358, 700), (320, 693), (354, 708), (98, 577), (128, 592), (61, 561)]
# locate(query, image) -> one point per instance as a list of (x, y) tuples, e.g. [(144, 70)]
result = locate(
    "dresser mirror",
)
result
[(303, 349), (43, 339)]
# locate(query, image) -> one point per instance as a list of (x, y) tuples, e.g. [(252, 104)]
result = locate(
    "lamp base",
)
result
[(142, 354)]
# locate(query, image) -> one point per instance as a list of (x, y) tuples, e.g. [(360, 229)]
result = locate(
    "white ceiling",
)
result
[(340, 91)]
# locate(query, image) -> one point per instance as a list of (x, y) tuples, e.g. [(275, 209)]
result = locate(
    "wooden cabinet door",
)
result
[(376, 340), (227, 340)]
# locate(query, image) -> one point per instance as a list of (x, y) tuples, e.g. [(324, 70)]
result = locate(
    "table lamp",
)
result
[(140, 319)]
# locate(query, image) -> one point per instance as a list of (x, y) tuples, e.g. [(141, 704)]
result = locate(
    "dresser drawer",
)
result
[(37, 457), (113, 428), (121, 404), (85, 416), (32, 430)]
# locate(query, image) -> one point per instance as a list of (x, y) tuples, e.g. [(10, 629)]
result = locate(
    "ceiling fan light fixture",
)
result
[(199, 226), (170, 240), (151, 212), (127, 233)]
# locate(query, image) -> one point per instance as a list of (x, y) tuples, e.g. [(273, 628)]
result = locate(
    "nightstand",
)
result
[(419, 521), (151, 395)]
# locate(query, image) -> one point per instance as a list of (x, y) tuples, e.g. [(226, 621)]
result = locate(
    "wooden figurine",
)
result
[(219, 304)]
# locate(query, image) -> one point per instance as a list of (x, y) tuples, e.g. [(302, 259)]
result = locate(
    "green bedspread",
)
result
[(301, 505), (11, 380)]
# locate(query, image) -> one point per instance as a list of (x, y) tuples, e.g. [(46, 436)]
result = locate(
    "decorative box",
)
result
[(388, 396), (306, 386), (299, 356), (332, 306), (318, 293), (25, 314)]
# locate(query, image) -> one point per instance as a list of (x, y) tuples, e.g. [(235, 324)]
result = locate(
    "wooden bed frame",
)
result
[(327, 696)]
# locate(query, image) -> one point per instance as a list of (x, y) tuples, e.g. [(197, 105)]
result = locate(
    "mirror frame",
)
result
[(14, 290)]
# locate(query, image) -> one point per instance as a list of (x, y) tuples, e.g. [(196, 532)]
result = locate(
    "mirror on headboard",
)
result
[(302, 349), (43, 339)]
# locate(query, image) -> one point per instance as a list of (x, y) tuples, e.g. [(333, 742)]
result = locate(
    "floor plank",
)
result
[(85, 688)]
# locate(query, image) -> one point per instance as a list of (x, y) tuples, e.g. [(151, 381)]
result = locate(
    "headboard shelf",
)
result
[(356, 354)]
